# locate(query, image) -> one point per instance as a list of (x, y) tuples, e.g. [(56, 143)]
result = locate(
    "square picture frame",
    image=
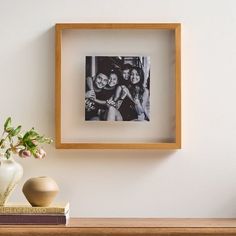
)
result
[(73, 41)]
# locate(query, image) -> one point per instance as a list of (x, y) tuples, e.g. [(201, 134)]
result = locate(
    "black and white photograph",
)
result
[(117, 88)]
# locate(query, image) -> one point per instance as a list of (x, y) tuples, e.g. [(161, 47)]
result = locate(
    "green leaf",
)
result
[(9, 129), (43, 139), (48, 140), (8, 153), (40, 139), (2, 143), (30, 144), (10, 139), (25, 137), (34, 150), (16, 131), (7, 123), (32, 134)]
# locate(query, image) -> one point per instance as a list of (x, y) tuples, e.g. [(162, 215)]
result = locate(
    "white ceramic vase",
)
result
[(10, 174)]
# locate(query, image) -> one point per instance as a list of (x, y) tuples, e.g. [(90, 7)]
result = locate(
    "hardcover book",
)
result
[(36, 219), (16, 208)]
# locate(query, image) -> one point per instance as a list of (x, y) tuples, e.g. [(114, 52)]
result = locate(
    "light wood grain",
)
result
[(203, 227), (118, 232), (57, 86), (63, 26), (176, 27), (118, 145), (178, 85), (152, 222)]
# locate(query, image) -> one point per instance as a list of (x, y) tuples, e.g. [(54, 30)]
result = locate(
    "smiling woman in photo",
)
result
[(139, 93)]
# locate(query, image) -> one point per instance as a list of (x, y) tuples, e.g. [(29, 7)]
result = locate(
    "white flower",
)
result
[(40, 154)]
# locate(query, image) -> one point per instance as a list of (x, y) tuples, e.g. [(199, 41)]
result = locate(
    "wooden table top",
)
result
[(142, 223), (151, 222), (127, 227)]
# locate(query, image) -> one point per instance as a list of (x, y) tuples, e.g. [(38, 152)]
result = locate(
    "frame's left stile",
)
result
[(58, 37)]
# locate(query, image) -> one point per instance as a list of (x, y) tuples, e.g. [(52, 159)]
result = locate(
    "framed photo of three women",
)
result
[(118, 85)]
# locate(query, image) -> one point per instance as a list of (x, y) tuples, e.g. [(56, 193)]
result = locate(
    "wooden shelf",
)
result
[(127, 226)]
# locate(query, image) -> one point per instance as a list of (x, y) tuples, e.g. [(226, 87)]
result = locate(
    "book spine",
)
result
[(26, 210), (33, 219)]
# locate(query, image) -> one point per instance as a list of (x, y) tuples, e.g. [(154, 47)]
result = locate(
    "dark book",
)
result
[(34, 219)]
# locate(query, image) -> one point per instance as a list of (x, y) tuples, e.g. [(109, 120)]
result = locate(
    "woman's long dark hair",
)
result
[(137, 89)]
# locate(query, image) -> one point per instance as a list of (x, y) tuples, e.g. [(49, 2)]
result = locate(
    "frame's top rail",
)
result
[(62, 26)]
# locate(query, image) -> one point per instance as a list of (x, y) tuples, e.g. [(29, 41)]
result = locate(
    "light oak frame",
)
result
[(176, 27)]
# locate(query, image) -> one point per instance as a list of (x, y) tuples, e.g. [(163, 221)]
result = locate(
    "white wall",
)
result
[(197, 181)]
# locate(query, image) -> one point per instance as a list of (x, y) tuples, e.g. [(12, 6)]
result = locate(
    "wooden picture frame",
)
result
[(174, 28)]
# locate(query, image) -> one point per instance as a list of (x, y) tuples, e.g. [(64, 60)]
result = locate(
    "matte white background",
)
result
[(197, 181), (159, 45)]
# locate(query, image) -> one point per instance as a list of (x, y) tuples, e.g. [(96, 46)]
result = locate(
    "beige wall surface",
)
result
[(197, 181)]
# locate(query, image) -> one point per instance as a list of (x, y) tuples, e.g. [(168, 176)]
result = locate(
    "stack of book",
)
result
[(55, 214)]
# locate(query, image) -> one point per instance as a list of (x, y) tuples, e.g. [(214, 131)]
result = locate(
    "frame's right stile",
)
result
[(178, 85)]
